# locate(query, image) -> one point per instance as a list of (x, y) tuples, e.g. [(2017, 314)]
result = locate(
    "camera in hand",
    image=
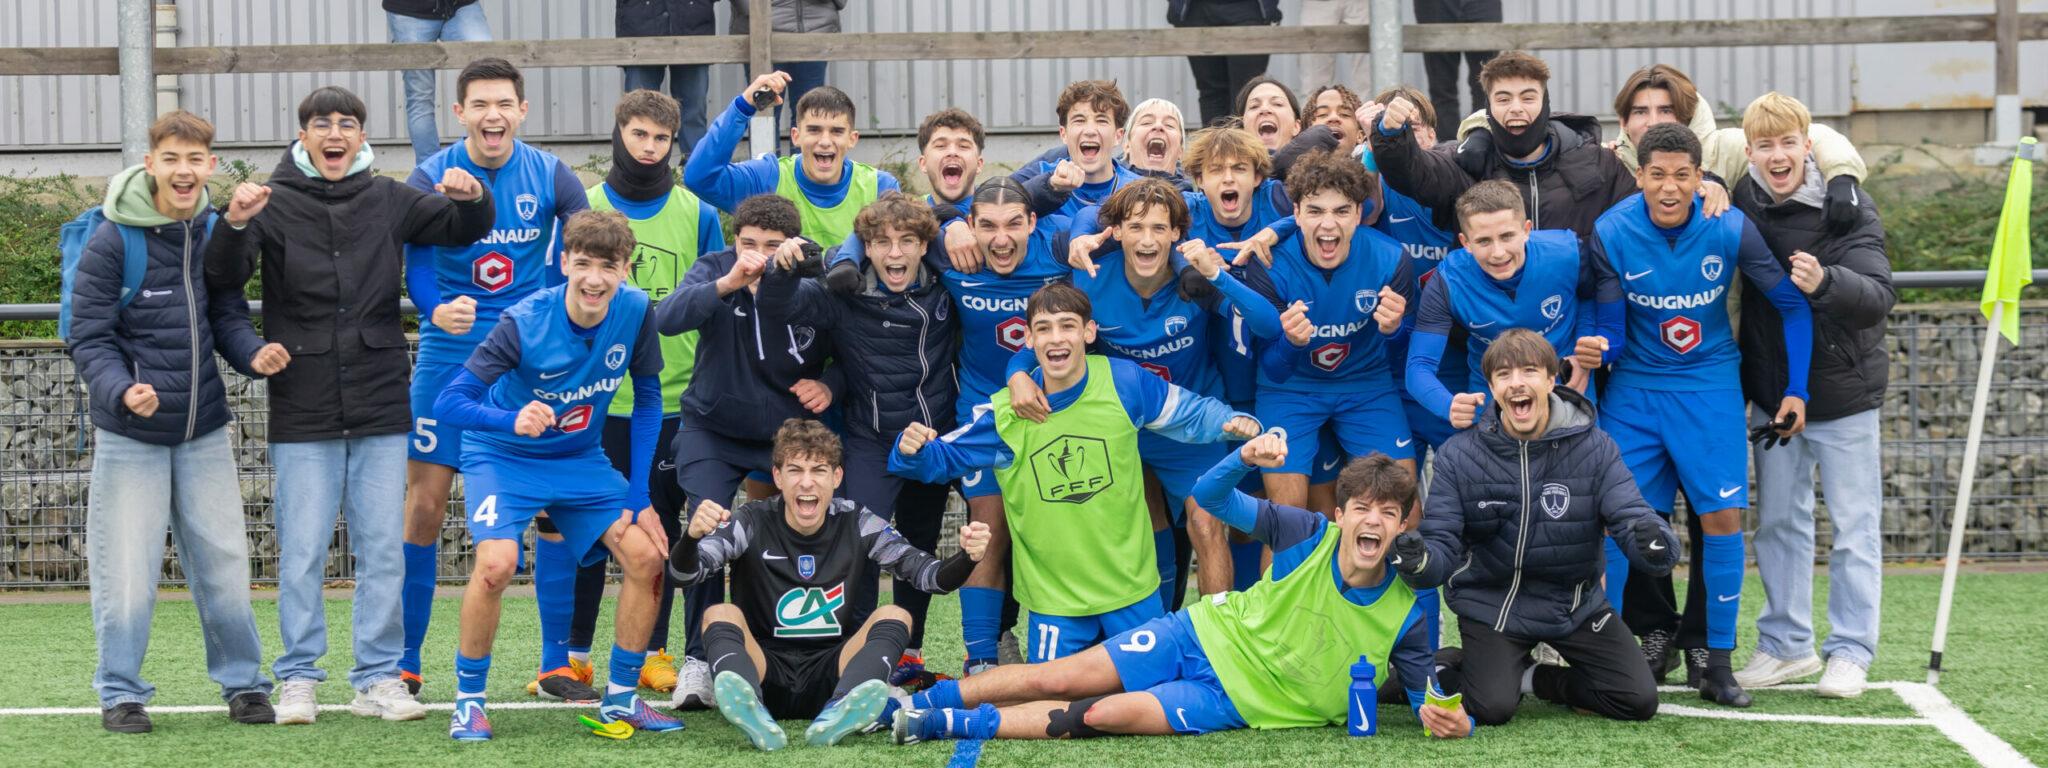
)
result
[(762, 98)]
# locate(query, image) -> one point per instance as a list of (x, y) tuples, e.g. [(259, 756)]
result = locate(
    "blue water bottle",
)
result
[(1365, 698)]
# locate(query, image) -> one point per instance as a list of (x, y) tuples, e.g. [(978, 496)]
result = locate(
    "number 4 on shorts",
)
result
[(487, 512)]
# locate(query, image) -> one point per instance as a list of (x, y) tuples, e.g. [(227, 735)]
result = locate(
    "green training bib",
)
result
[(829, 226), (666, 247)]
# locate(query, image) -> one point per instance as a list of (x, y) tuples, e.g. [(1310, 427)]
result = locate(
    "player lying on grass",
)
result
[(792, 557), (1274, 656), (531, 395)]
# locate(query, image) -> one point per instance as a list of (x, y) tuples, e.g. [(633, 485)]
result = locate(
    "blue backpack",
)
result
[(71, 240)]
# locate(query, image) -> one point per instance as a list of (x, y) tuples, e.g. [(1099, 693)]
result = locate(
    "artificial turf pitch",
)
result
[(1995, 676)]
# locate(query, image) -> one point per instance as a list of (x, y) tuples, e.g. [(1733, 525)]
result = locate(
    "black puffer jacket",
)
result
[(1568, 189), (1513, 527), (897, 349), (165, 337), (332, 264), (426, 9), (1850, 367), (746, 363), (663, 18)]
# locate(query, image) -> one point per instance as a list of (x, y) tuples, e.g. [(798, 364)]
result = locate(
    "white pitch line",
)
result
[(206, 708), (1984, 746), (1767, 717)]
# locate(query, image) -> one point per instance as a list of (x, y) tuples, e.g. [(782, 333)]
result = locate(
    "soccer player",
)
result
[(1346, 288), (327, 233), (1274, 656), (671, 228), (161, 460), (1092, 114), (1335, 107), (1674, 401), (1513, 531), (1079, 470), (949, 145), (1848, 279), (782, 647), (531, 394), (828, 187), (765, 372), (461, 290), (895, 339)]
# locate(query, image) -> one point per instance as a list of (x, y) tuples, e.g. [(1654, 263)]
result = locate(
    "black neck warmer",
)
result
[(634, 180), (1532, 139)]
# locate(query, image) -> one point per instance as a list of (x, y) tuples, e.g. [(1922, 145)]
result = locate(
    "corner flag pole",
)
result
[(2010, 269)]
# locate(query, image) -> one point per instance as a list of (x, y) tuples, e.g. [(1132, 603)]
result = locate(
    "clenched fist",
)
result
[(1203, 258), (709, 516), (974, 540), (534, 419), (248, 200), (1398, 113), (1267, 451), (456, 316), (270, 359), (457, 184), (1465, 409), (914, 437), (1806, 272), (1391, 307), (1295, 325), (140, 398), (1067, 177)]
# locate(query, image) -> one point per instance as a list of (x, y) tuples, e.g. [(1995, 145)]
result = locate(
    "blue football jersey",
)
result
[(992, 323), (1086, 194), (1676, 285), (1545, 298), (574, 374), (1164, 334), (1348, 353), (1231, 340), (514, 260), (1414, 227)]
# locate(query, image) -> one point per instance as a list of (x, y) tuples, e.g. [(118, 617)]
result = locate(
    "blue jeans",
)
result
[(467, 25), (688, 83), (365, 477), (1846, 452), (138, 490)]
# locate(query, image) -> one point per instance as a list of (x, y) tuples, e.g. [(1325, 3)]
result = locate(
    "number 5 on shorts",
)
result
[(487, 512), (426, 441)]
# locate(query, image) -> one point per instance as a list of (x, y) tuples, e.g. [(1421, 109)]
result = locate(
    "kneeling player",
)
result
[(1274, 656), (792, 557), (530, 394)]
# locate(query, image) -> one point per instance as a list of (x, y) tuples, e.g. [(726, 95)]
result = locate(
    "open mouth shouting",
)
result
[(185, 191), (334, 156), (1229, 202), (495, 138), (1780, 173), (1516, 125), (1521, 407), (824, 161), (953, 173), (1671, 207), (809, 505), (1267, 127), (1367, 545), (1326, 248), (1155, 150), (592, 297), (1059, 356), (1090, 150)]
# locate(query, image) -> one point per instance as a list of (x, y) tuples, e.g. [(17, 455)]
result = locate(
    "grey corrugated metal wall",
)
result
[(49, 111)]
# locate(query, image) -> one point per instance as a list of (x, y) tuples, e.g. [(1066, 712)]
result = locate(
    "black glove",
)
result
[(1766, 435), (812, 264), (1193, 286), (1409, 553), (1839, 208), (1650, 543), (843, 278)]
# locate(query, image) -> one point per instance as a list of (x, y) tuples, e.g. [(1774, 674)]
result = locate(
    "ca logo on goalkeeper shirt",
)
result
[(810, 612)]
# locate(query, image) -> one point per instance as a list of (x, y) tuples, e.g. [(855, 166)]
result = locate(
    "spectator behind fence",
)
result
[(1848, 279), (811, 16), (1442, 68), (1218, 78), (426, 21), (161, 456), (340, 413), (687, 82), (1320, 69)]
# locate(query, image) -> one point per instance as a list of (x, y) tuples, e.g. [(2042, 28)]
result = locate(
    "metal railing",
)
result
[(45, 441)]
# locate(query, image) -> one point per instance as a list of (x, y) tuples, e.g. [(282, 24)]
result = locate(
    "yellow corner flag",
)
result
[(2012, 266)]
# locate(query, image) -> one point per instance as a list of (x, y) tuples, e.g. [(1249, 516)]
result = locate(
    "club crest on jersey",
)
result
[(1010, 333), (1553, 306), (806, 566), (575, 419), (1329, 356), (615, 358), (529, 205), (491, 271), (1366, 301), (1556, 499), (1176, 324), (1710, 267), (809, 612), (1072, 469), (1680, 333)]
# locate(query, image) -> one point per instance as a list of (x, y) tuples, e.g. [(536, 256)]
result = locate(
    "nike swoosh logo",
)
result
[(1362, 716), (772, 556), (965, 284), (1399, 219), (741, 311), (1727, 598), (1332, 464), (1403, 443), (546, 376), (1727, 492), (1395, 561), (1109, 327), (1182, 713), (1477, 326), (1601, 622), (1635, 275), (1656, 546)]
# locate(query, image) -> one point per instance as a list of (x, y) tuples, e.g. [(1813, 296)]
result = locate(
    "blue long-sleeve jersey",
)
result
[(1347, 352), (1034, 175), (710, 173), (1676, 283), (535, 194), (1150, 401)]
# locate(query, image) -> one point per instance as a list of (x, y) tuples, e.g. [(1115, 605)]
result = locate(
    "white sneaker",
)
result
[(295, 704), (1844, 679), (388, 699), (1765, 670), (1008, 650), (693, 686)]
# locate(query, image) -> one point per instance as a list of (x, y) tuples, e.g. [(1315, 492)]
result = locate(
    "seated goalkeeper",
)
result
[(1277, 655)]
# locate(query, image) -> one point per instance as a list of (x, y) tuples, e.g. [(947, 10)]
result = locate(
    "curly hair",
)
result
[(898, 210), (1320, 170), (805, 438)]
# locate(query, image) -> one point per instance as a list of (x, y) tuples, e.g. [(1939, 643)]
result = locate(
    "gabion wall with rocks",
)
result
[(46, 455)]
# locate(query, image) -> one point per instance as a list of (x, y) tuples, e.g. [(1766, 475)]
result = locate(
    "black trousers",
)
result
[(1442, 68), (667, 499), (1607, 675), (1218, 78), (1649, 602)]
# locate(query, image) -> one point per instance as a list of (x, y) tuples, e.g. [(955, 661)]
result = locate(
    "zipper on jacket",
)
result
[(875, 410), (1535, 201), (760, 351), (1578, 591), (192, 326), (924, 366), (1521, 543)]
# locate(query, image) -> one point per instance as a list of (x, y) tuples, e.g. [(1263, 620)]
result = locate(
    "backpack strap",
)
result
[(134, 260)]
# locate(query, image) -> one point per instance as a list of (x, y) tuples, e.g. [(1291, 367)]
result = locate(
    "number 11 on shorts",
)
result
[(1048, 641)]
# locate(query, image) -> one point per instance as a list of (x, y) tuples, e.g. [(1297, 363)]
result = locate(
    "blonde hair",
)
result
[(1221, 145), (1774, 114)]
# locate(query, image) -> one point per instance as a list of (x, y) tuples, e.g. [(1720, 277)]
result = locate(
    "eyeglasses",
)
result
[(325, 126)]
